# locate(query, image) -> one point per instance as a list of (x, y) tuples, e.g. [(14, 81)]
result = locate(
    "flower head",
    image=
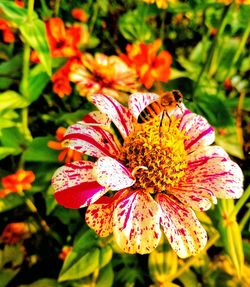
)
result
[(153, 179), (15, 232), (64, 252), (160, 3), (66, 153), (150, 65), (103, 74), (17, 182), (8, 35), (80, 15)]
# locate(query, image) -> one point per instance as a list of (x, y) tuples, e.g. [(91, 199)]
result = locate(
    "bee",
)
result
[(167, 102)]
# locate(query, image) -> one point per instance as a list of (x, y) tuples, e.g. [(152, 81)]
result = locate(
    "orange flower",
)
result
[(66, 153), (19, 181), (103, 74), (149, 66), (80, 15), (8, 36), (160, 3), (20, 3), (65, 251), (61, 84), (15, 232), (62, 41)]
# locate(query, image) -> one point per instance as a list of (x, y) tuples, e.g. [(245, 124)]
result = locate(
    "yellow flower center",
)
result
[(155, 155)]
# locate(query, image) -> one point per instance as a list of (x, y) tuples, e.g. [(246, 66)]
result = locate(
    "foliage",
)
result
[(209, 46)]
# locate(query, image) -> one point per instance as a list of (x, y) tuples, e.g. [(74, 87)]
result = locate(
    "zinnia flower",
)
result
[(103, 74), (80, 15), (19, 181), (8, 36), (149, 65), (153, 181), (66, 153)]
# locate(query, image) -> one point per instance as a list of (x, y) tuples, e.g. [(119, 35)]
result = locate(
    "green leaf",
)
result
[(85, 242), (37, 81), (35, 34), (106, 276), (86, 265), (38, 150), (14, 13), (9, 202), (12, 100), (5, 151), (12, 137), (45, 282), (11, 67), (106, 254), (134, 28), (6, 275)]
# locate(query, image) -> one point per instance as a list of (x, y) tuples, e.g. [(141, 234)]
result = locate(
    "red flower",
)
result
[(64, 252), (149, 65), (8, 36), (80, 15), (66, 153)]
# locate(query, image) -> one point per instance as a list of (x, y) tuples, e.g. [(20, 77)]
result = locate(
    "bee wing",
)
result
[(139, 101)]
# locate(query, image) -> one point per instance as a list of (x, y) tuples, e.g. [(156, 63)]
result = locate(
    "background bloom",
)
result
[(103, 74), (150, 65), (161, 179)]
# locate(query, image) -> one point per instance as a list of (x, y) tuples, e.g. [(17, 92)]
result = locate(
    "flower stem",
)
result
[(245, 219), (240, 203), (57, 6)]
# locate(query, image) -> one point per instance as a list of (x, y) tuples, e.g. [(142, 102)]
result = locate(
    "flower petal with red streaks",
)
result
[(211, 168), (75, 186), (113, 175), (181, 227), (139, 101), (136, 223), (119, 115), (198, 130), (97, 118), (93, 141), (99, 216)]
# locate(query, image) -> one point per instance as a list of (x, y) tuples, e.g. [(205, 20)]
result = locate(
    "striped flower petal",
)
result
[(93, 141), (97, 118), (211, 168), (75, 186), (198, 130), (119, 115), (181, 227), (113, 175), (136, 223), (139, 101), (196, 197), (99, 216)]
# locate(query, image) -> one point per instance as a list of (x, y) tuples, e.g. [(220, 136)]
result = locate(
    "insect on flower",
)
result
[(166, 103)]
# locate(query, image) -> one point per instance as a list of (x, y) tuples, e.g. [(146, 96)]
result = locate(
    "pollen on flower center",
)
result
[(161, 155)]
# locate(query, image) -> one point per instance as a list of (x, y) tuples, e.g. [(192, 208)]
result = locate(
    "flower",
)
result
[(80, 15), (8, 35), (62, 41), (160, 3), (20, 3), (17, 182), (66, 153), (15, 232), (60, 80), (64, 252), (149, 66), (152, 181), (103, 74)]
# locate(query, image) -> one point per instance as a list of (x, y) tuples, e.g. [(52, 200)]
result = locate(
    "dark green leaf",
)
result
[(106, 276), (6, 275), (10, 201), (10, 68)]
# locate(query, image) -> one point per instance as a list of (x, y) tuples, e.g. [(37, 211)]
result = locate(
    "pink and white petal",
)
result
[(99, 216), (211, 168), (75, 186), (111, 174), (181, 227), (119, 115), (139, 101), (97, 118), (93, 141), (136, 223), (194, 196), (198, 130)]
